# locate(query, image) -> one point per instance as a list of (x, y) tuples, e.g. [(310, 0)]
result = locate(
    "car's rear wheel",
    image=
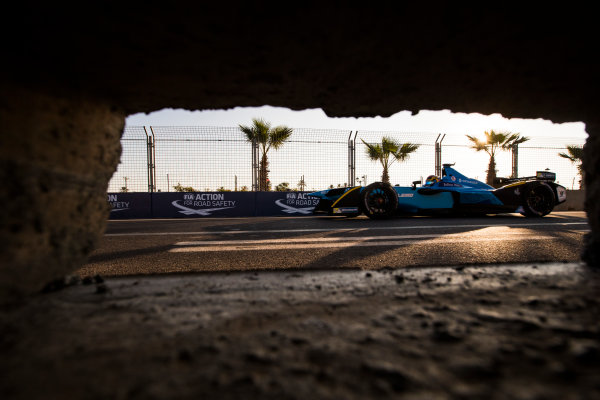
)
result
[(379, 200), (538, 200)]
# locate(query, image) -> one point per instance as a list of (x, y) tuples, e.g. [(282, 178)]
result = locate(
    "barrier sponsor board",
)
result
[(285, 203), (210, 204), (130, 205), (203, 204)]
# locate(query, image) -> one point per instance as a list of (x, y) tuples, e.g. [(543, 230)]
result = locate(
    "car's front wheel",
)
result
[(538, 200), (379, 200)]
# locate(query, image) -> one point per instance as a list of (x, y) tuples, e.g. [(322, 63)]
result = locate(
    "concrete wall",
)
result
[(575, 201)]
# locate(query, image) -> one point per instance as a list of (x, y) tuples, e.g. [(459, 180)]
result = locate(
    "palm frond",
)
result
[(261, 125), (262, 131), (389, 145), (248, 131), (520, 140), (478, 145), (574, 153), (511, 139), (279, 135), (259, 131), (405, 150), (374, 151)]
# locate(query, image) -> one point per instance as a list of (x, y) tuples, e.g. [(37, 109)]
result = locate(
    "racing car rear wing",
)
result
[(546, 176)]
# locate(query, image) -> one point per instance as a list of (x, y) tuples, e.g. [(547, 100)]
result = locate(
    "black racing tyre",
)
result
[(538, 200), (379, 200)]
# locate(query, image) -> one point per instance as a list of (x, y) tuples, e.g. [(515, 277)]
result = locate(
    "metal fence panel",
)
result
[(220, 158), (203, 158), (317, 156), (132, 173), (538, 154), (474, 164), (419, 163)]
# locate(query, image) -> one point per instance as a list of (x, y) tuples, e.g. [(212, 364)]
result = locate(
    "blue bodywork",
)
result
[(470, 191)]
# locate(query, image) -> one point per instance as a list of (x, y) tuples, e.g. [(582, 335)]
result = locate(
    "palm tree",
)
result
[(495, 141), (261, 132), (575, 155), (389, 151), (301, 184)]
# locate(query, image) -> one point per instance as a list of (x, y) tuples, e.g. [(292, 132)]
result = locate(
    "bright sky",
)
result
[(425, 121), (455, 125)]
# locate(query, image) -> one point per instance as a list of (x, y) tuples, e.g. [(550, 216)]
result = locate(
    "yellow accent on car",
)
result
[(515, 184), (342, 196)]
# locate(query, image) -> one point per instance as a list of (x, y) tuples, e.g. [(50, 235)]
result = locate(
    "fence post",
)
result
[(438, 154), (255, 156), (351, 159), (153, 148), (150, 157), (515, 161)]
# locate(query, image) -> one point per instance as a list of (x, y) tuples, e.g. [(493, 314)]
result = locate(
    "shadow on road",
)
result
[(148, 253)]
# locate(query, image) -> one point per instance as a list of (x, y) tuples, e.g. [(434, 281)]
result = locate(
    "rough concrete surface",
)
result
[(591, 166), (476, 332), (53, 191)]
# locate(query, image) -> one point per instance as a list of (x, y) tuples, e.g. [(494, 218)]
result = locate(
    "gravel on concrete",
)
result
[(471, 332)]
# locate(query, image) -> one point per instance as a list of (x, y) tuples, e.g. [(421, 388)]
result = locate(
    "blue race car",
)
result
[(453, 193)]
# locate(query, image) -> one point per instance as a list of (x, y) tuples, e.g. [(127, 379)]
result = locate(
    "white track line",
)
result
[(453, 236), (375, 228), (368, 243)]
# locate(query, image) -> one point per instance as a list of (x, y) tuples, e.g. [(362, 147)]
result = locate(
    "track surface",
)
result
[(250, 244)]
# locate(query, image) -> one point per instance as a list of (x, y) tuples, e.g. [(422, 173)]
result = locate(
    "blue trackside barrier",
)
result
[(130, 205), (284, 203), (210, 204), (202, 204)]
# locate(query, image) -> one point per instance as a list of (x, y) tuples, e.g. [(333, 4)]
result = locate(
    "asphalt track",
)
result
[(137, 247)]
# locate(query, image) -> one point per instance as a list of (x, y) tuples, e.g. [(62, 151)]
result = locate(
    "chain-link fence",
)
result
[(199, 158), (203, 158), (539, 154), (419, 163), (132, 173)]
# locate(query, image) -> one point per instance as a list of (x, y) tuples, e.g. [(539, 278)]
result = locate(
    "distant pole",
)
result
[(515, 161), (438, 154), (168, 185), (125, 179), (235, 183)]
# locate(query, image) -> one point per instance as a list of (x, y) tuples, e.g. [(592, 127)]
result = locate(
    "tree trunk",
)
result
[(263, 174), (385, 177), (491, 172)]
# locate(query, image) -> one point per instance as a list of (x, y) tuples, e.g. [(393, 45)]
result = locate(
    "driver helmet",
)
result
[(431, 179)]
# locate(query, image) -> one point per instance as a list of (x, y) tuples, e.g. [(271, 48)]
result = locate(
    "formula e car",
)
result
[(453, 193)]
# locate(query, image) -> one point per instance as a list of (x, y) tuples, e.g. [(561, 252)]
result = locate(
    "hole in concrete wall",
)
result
[(373, 335), (233, 243), (227, 167)]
